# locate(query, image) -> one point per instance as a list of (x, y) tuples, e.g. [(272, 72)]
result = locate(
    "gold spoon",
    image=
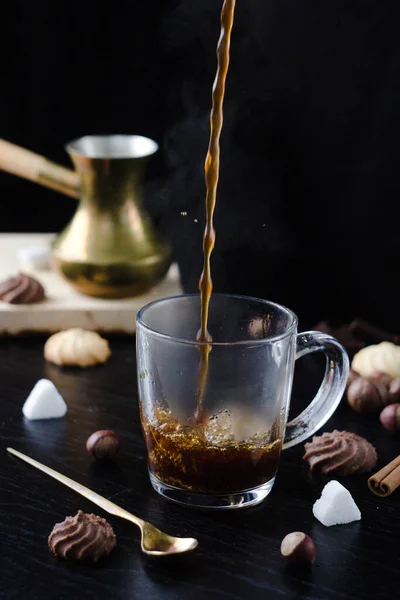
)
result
[(154, 541)]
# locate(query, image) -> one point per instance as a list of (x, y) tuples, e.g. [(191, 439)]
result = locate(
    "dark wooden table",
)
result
[(238, 555)]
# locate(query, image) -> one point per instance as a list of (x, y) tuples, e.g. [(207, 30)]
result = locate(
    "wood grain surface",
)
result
[(238, 555)]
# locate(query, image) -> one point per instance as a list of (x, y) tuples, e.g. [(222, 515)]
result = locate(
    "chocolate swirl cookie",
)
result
[(340, 453), (21, 289), (82, 537)]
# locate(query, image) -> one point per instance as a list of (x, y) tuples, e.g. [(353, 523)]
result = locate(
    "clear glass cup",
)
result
[(230, 458)]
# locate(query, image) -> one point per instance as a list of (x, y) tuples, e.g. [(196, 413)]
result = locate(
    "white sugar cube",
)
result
[(44, 402), (336, 506), (34, 257)]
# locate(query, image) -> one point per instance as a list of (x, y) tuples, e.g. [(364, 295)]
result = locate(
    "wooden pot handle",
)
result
[(27, 164)]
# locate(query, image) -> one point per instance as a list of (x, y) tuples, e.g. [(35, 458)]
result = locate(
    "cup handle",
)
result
[(330, 392)]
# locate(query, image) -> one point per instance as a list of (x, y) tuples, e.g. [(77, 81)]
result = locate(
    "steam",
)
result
[(247, 177)]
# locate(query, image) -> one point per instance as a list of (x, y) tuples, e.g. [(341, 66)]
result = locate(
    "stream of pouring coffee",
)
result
[(211, 177)]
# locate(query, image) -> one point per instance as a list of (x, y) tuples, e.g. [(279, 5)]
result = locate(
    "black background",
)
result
[(70, 69), (307, 206)]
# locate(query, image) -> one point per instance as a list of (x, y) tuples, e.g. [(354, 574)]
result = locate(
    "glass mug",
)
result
[(230, 458)]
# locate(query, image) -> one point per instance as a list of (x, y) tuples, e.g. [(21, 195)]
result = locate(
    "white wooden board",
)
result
[(64, 306)]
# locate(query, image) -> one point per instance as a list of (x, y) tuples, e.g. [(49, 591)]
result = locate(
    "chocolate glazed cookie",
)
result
[(340, 453), (82, 538), (21, 289)]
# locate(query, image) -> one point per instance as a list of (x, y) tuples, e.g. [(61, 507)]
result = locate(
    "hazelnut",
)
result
[(103, 445), (367, 396), (381, 377), (394, 390), (390, 417), (298, 548), (353, 375)]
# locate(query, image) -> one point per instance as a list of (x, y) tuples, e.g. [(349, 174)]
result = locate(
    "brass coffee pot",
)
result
[(110, 248)]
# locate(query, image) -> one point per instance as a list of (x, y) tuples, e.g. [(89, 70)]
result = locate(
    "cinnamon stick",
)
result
[(371, 334), (343, 334), (385, 481)]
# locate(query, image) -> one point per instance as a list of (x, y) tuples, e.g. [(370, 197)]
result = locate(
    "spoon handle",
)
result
[(105, 504)]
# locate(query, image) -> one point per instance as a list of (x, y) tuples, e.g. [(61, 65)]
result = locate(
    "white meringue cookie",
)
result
[(44, 402), (384, 357), (36, 257), (76, 347)]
